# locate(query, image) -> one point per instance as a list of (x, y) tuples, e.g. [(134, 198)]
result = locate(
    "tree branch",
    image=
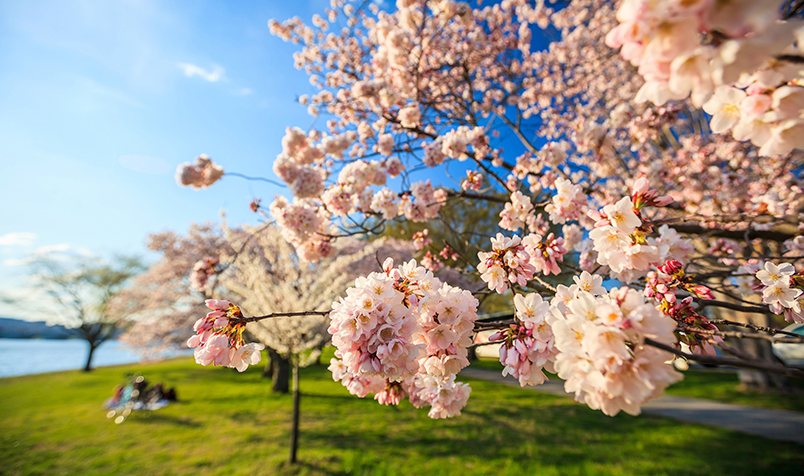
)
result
[(245, 320), (708, 359)]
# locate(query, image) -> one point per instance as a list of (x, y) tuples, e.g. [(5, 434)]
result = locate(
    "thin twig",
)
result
[(244, 320), (259, 179), (708, 359), (753, 326)]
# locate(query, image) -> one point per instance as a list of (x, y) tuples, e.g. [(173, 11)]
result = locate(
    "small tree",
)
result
[(160, 304), (267, 275), (83, 292)]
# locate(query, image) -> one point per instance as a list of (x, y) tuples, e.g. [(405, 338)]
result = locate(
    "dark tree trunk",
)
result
[(281, 375), (271, 355), (294, 430), (755, 379), (471, 354), (92, 347), (320, 354)]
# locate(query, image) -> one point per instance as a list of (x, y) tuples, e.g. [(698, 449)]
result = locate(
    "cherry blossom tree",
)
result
[(266, 275), (647, 150), (161, 304)]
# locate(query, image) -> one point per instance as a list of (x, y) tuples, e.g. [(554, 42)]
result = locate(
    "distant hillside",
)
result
[(17, 329)]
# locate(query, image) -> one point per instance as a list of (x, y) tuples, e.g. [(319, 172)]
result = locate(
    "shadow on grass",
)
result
[(321, 395), (163, 418), (564, 437)]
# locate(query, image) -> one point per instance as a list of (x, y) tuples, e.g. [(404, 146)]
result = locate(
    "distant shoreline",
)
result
[(58, 355)]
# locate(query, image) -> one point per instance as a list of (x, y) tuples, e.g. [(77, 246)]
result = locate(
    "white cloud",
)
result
[(17, 262), (213, 76), (48, 249), (245, 92), (61, 252), (17, 238)]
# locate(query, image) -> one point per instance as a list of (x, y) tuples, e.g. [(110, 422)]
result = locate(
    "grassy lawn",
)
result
[(719, 385), (230, 423), (723, 386)]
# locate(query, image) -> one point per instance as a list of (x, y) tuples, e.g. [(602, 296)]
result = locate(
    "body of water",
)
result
[(34, 356)]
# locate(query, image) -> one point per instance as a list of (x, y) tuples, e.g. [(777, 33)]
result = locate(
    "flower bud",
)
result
[(641, 186)]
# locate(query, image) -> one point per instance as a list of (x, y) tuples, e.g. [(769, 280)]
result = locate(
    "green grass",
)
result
[(724, 386), (230, 423), (720, 385)]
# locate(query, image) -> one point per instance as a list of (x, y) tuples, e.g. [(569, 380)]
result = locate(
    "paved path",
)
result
[(776, 424)]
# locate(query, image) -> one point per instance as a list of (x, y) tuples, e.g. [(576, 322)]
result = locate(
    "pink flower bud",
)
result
[(217, 304), (671, 267), (194, 341), (640, 186), (663, 201), (594, 215), (496, 336), (703, 292)]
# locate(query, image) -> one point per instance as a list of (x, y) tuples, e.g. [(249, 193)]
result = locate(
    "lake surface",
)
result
[(34, 356)]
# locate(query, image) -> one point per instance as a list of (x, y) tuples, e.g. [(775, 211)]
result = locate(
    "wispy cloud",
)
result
[(17, 238), (216, 74), (146, 164), (62, 252), (17, 261), (245, 92)]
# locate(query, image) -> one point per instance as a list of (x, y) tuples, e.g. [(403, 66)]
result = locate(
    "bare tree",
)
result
[(82, 292)]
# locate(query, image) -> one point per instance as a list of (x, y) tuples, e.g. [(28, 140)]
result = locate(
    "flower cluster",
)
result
[(203, 270), (741, 78), (401, 333), (621, 241), (615, 239), (528, 346), (423, 202), (303, 225), (473, 180), (663, 285), (359, 385), (455, 144), (601, 351), (373, 326), (568, 202), (421, 240), (445, 396), (782, 289), (517, 213), (545, 252), (507, 262), (219, 342), (446, 321), (200, 174)]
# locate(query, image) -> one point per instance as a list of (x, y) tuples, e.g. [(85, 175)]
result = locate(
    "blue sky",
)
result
[(103, 99)]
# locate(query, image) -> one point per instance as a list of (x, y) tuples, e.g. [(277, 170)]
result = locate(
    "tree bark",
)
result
[(281, 374), (471, 354), (761, 349), (92, 348), (294, 430), (754, 379), (271, 355)]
